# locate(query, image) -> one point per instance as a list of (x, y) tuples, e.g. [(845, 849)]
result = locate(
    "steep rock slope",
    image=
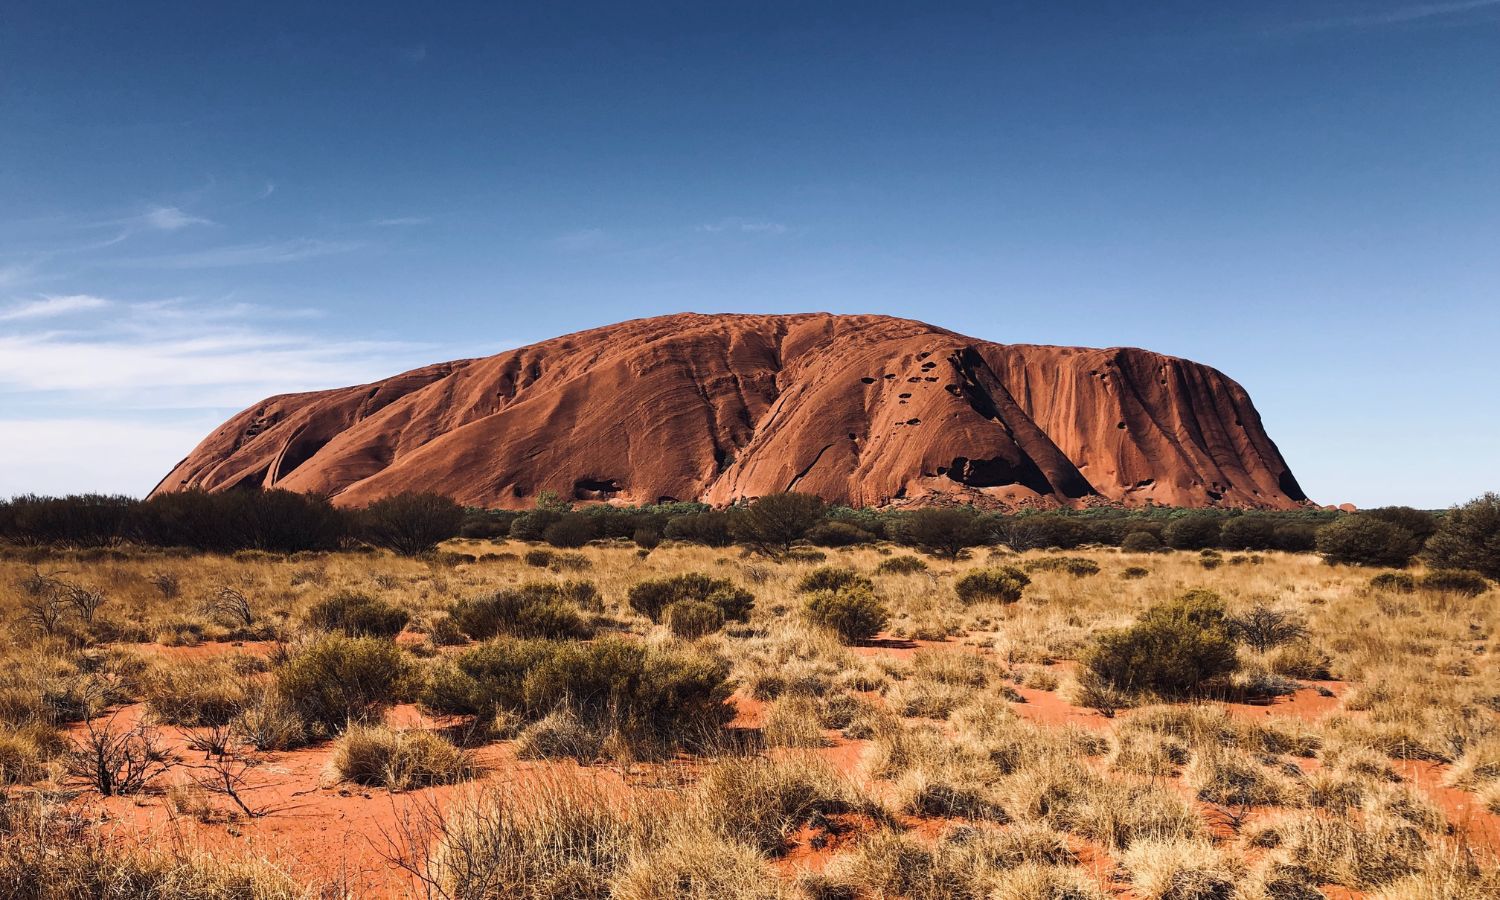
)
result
[(866, 410)]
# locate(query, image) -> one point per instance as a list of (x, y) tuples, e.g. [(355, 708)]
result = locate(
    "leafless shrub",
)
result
[(167, 584), (1264, 627), (232, 605), (117, 761)]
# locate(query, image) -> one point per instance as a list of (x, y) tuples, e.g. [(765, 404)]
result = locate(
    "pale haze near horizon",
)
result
[(200, 207)]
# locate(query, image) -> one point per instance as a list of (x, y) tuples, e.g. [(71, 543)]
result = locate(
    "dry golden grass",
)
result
[(1188, 797)]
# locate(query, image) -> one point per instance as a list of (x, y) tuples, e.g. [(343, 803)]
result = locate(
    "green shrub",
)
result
[(855, 614), (944, 531), (530, 611), (357, 615), (650, 598), (1000, 585), (1077, 566), (1194, 531), (1359, 540), (772, 524), (570, 530), (1140, 542), (1173, 648), (838, 534), (1468, 537), (483, 680), (651, 696), (410, 524), (339, 679), (1395, 582), (693, 618), (1455, 581), (901, 565), (832, 578)]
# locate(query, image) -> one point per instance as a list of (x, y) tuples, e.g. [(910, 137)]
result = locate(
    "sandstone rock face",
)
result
[(863, 410)]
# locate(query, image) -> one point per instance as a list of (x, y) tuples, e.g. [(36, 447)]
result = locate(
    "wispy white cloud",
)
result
[(399, 221), (1399, 15), (170, 218), (182, 355), (112, 401), (744, 226), (97, 454), (413, 54), (268, 253), (51, 307)]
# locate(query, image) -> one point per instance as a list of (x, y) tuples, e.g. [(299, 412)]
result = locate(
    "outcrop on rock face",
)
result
[(864, 410)]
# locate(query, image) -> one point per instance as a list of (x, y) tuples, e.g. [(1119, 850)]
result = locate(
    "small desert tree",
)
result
[(411, 524), (1361, 540), (945, 531), (1468, 537), (775, 522)]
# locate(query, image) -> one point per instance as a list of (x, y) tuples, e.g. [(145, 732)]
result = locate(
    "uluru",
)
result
[(864, 410)]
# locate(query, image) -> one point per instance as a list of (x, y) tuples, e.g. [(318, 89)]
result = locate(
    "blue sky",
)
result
[(201, 205)]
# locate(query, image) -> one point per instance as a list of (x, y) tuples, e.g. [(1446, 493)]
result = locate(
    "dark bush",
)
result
[(538, 558), (710, 527), (838, 534), (1174, 648), (1001, 585), (944, 531), (855, 614), (275, 521), (901, 565), (1395, 582), (650, 598), (357, 615), (341, 679), (1133, 572), (832, 578), (533, 524), (1140, 542), (1248, 532), (410, 524), (1419, 523), (79, 520), (570, 530), (492, 524), (693, 618), (530, 611), (1296, 537), (1468, 537), (1455, 581), (1361, 540), (775, 522), (1194, 531)]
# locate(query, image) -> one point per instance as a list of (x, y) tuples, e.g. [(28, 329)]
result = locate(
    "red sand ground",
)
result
[(325, 830)]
